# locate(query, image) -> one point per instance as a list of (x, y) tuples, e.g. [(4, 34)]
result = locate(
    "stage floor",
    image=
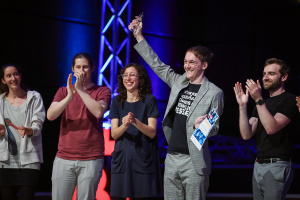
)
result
[(210, 196)]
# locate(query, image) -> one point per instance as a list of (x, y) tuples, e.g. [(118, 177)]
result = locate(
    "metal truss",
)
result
[(114, 43), (232, 150)]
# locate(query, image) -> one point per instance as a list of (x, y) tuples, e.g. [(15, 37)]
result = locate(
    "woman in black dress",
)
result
[(135, 166)]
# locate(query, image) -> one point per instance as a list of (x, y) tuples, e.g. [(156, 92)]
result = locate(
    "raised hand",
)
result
[(136, 26), (80, 76), (298, 102), (71, 90), (126, 121), (241, 97), (131, 118), (254, 89)]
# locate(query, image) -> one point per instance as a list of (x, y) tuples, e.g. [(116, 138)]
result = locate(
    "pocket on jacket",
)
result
[(118, 164), (32, 144)]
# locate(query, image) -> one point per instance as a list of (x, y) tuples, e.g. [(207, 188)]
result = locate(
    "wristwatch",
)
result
[(260, 102)]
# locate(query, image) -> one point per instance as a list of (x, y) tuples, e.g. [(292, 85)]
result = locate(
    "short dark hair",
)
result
[(284, 68), (201, 52), (83, 55)]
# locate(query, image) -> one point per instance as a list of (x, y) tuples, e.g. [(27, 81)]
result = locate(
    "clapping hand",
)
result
[(298, 102), (241, 97), (80, 76), (254, 89), (25, 131), (128, 119), (71, 90)]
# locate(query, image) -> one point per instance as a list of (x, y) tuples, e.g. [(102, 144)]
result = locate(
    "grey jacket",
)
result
[(209, 96), (31, 148)]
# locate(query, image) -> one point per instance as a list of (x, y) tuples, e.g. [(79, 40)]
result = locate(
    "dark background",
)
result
[(43, 36)]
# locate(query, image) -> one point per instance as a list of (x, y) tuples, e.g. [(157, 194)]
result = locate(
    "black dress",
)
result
[(135, 166)]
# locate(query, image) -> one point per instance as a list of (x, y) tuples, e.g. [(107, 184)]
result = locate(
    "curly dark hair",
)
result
[(144, 87)]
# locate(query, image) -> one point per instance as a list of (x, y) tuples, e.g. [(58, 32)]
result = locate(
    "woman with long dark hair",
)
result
[(22, 115), (135, 166)]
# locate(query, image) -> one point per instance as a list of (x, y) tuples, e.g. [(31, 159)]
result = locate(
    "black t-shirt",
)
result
[(178, 141), (279, 144)]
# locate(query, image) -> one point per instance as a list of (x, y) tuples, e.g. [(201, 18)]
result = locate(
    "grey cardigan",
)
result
[(31, 147)]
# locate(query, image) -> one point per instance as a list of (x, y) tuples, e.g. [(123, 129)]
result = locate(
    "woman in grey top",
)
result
[(22, 115)]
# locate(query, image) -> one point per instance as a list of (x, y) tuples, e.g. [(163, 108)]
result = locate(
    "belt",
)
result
[(271, 160), (176, 153)]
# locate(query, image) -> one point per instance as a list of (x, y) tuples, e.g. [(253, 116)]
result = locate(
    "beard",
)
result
[(272, 85)]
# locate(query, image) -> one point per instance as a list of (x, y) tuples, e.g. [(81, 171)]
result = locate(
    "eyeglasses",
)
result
[(132, 75)]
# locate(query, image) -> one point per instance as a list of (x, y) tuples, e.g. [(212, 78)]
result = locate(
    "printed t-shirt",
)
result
[(178, 141)]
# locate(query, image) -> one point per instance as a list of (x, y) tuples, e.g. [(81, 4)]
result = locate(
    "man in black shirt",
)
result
[(273, 122)]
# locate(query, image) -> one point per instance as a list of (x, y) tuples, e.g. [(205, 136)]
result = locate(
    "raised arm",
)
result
[(97, 108), (136, 26), (56, 108), (165, 72), (272, 124), (247, 127)]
